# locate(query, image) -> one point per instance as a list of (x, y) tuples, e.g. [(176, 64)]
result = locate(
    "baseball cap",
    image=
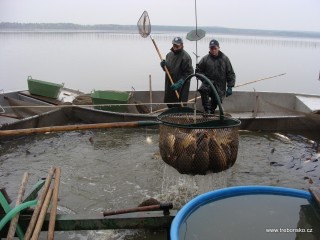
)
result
[(177, 41), (214, 43)]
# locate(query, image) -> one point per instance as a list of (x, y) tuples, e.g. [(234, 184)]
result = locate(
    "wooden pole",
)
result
[(42, 215), (191, 100), (259, 80), (53, 211), (14, 221), (37, 210), (165, 67), (150, 89), (5, 194), (76, 127)]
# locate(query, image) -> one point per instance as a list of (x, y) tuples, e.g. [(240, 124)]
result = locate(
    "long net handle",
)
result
[(144, 27), (165, 67)]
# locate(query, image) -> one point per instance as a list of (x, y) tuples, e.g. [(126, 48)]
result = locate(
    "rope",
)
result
[(91, 105)]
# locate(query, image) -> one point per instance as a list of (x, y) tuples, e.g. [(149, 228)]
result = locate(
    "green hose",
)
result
[(10, 213), (16, 210)]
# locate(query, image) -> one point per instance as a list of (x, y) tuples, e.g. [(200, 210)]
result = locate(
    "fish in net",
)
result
[(197, 144)]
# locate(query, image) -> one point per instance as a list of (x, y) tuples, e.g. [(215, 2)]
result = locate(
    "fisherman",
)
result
[(217, 67), (179, 65)]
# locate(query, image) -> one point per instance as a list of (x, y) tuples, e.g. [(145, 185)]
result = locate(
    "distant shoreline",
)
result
[(132, 29)]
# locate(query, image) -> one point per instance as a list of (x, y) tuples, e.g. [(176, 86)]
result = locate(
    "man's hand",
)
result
[(177, 85), (229, 91), (163, 63)]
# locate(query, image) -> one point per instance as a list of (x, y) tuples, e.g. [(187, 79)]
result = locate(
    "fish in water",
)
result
[(275, 164), (149, 140), (282, 137)]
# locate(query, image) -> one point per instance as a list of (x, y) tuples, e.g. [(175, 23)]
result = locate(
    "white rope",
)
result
[(92, 105)]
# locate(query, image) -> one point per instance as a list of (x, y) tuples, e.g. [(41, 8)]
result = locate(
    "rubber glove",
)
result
[(177, 85), (229, 91), (163, 63)]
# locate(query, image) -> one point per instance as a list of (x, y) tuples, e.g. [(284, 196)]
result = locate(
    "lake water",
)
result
[(117, 61), (118, 168)]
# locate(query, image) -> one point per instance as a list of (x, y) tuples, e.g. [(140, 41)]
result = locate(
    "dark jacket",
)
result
[(179, 65), (219, 70)]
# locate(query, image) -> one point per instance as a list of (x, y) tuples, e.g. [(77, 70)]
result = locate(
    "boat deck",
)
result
[(312, 103), (65, 96), (7, 119)]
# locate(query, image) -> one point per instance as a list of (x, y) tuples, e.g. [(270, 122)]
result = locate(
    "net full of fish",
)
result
[(198, 148)]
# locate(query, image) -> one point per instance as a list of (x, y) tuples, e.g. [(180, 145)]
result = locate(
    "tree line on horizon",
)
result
[(133, 28)]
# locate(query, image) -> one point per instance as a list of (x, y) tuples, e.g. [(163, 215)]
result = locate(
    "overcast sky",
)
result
[(295, 15)]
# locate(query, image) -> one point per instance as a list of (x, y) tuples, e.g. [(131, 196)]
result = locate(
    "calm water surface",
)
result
[(118, 168), (114, 61)]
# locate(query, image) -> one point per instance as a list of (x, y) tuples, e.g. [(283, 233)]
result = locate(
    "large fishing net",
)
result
[(195, 143)]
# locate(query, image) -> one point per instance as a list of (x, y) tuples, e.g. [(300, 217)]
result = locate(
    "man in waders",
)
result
[(217, 67), (179, 64)]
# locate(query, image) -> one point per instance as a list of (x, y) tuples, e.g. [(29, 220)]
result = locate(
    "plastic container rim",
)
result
[(224, 193)]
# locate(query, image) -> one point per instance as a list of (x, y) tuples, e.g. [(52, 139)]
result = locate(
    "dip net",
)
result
[(194, 143), (144, 25)]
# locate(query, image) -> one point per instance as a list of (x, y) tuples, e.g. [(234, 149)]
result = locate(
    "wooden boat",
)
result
[(19, 110), (257, 110)]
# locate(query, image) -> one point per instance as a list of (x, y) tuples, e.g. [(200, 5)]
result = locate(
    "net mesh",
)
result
[(196, 35), (197, 150), (144, 25), (26, 109)]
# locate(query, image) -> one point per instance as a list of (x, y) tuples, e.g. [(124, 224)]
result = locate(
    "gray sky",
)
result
[(295, 15)]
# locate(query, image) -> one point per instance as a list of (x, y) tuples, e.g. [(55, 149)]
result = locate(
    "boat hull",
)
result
[(263, 111), (20, 111), (258, 111)]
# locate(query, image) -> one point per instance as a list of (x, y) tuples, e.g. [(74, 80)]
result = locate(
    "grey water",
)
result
[(118, 61), (116, 169), (119, 168)]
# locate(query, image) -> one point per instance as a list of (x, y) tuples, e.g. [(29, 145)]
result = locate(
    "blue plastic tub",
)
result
[(247, 212)]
